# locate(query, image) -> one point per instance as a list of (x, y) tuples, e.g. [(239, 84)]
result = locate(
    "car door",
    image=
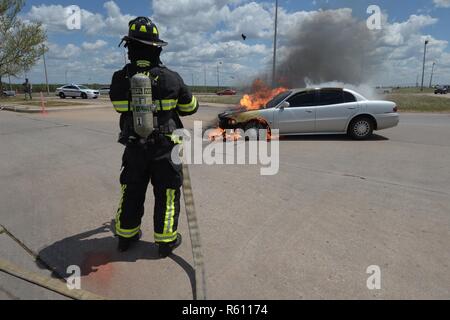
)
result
[(300, 116), (77, 91), (70, 91), (335, 108)]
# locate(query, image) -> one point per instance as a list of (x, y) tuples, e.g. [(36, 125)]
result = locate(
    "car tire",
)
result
[(74, 97), (253, 129), (361, 128), (62, 95), (84, 96)]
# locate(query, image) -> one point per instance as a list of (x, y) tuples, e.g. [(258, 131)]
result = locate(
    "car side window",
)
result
[(329, 97), (348, 97), (303, 99)]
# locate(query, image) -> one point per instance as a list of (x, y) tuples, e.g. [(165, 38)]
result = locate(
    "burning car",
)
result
[(312, 111)]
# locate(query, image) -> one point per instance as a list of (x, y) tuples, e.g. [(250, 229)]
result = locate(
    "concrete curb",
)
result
[(25, 109)]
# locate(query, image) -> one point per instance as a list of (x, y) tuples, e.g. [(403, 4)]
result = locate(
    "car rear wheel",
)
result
[(361, 128), (84, 95), (62, 95)]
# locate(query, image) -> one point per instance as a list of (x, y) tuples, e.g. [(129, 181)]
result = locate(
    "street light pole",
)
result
[(423, 67), (218, 76), (45, 69), (204, 75), (432, 72), (274, 66)]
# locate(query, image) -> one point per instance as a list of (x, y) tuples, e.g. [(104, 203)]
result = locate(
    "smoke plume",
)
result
[(328, 46)]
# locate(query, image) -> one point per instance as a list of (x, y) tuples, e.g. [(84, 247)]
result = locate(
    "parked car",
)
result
[(9, 93), (440, 90), (226, 92), (315, 111), (76, 91), (104, 90)]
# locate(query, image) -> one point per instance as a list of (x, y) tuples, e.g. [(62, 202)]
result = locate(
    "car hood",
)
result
[(240, 114)]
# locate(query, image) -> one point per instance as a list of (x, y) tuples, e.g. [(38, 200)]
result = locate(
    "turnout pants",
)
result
[(140, 167)]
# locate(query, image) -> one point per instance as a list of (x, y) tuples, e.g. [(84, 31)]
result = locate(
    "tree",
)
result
[(21, 43)]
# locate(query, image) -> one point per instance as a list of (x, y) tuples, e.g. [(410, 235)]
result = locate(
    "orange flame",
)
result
[(260, 96), (221, 134)]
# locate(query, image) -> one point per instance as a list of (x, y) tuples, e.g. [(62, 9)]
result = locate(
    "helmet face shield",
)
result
[(143, 30)]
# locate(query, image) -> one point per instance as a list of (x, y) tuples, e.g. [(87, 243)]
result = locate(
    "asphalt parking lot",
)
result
[(335, 208)]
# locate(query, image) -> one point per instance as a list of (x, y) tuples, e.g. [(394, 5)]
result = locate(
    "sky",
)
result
[(205, 37)]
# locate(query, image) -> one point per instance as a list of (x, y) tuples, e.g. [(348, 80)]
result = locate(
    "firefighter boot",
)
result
[(165, 249), (125, 243)]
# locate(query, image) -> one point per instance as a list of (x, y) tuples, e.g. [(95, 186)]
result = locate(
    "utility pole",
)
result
[(204, 75), (218, 76), (274, 66), (423, 68), (45, 69), (432, 72)]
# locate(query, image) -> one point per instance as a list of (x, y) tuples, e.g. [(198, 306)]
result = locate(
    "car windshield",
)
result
[(83, 88), (275, 101)]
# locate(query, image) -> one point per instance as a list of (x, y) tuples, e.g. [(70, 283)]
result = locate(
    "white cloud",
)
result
[(92, 46), (58, 52), (54, 18), (203, 32), (442, 3)]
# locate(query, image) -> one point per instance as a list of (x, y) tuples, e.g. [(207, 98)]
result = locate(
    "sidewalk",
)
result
[(34, 109)]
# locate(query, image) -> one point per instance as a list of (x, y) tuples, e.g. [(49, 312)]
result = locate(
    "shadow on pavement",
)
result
[(90, 252)]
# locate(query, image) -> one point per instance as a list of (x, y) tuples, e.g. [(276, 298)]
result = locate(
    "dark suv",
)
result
[(440, 90)]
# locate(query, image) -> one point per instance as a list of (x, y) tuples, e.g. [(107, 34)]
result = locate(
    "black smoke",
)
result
[(328, 46)]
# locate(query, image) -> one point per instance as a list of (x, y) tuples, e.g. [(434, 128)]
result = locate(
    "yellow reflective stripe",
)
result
[(143, 63), (166, 237), (155, 31), (143, 29), (126, 233), (170, 211), (120, 106), (188, 107), (175, 139), (133, 27), (167, 105)]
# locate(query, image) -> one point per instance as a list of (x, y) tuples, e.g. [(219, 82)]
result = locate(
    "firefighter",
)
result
[(149, 160)]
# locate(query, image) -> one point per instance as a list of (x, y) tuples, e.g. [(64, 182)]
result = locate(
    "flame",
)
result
[(215, 134), (260, 96), (221, 134)]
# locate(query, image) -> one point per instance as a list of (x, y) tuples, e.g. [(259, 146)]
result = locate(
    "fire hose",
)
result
[(60, 287), (199, 267)]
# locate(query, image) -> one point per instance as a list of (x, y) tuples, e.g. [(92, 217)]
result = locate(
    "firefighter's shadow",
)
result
[(97, 248)]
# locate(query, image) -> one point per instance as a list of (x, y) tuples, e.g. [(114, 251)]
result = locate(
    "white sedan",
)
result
[(316, 111), (77, 91)]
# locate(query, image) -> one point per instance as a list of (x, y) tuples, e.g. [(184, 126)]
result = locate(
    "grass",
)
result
[(418, 103), (36, 102), (220, 99), (412, 90)]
